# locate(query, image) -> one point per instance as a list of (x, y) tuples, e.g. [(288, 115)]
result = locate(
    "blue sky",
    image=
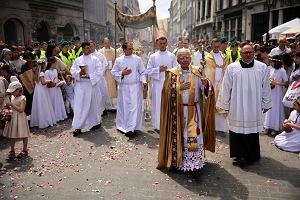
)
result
[(162, 7)]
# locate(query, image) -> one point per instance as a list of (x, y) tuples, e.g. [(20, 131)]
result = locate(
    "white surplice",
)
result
[(102, 83), (157, 59), (87, 98), (245, 92), (130, 93)]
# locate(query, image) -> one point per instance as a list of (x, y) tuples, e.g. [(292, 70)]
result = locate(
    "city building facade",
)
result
[(240, 19), (23, 20), (95, 24)]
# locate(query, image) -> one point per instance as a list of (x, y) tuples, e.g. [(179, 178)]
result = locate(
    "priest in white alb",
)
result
[(158, 63), (128, 72), (102, 85), (87, 71), (246, 95)]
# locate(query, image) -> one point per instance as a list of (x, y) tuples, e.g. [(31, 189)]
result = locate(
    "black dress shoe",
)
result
[(104, 112), (76, 132), (95, 127), (237, 159), (129, 133), (113, 110)]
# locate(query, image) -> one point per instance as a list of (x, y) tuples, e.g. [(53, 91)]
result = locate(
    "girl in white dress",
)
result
[(42, 113), (54, 90), (290, 141), (278, 80)]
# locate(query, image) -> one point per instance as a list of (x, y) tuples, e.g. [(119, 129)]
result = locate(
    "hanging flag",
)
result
[(141, 21)]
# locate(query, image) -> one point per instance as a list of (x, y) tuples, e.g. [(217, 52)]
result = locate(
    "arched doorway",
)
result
[(68, 32), (42, 32), (13, 32)]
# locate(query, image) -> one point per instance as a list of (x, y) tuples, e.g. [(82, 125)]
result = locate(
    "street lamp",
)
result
[(269, 4)]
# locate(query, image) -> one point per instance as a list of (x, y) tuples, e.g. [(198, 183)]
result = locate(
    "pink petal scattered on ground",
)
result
[(107, 182)]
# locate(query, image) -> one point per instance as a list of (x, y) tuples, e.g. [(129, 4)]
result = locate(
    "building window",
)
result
[(219, 26), (229, 3), (220, 4), (14, 32), (275, 18), (240, 27), (208, 8), (232, 28), (203, 10), (226, 28), (198, 10)]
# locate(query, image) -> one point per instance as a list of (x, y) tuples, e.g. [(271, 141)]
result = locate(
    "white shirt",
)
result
[(277, 51), (198, 58)]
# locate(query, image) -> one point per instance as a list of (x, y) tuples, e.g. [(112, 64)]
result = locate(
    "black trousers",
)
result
[(244, 146)]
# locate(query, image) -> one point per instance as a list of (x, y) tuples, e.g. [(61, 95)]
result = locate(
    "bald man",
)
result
[(245, 95)]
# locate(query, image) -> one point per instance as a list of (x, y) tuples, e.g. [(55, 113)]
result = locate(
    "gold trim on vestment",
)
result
[(210, 71), (171, 121)]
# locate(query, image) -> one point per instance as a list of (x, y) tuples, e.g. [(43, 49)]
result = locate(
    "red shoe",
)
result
[(11, 155), (22, 154)]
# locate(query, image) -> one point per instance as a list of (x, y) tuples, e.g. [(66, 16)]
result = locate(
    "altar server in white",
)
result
[(102, 83), (159, 62), (128, 72), (246, 94), (87, 71)]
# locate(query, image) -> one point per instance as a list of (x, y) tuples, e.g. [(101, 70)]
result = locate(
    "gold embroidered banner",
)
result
[(141, 21)]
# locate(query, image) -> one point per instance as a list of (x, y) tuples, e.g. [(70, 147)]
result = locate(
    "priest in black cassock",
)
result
[(246, 95)]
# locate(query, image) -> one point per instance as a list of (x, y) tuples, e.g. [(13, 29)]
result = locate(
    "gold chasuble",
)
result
[(171, 119), (111, 83), (210, 71)]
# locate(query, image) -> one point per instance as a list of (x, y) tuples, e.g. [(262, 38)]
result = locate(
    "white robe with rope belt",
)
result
[(87, 99), (155, 61), (130, 93)]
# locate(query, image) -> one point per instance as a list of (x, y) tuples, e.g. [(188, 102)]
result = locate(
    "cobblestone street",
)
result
[(105, 164)]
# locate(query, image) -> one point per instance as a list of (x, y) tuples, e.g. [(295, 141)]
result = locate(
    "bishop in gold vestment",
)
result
[(187, 117)]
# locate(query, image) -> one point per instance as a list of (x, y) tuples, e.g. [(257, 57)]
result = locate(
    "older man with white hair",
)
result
[(183, 134)]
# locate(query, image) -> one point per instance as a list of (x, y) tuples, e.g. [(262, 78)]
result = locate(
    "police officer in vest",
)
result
[(65, 55), (77, 50), (233, 53)]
